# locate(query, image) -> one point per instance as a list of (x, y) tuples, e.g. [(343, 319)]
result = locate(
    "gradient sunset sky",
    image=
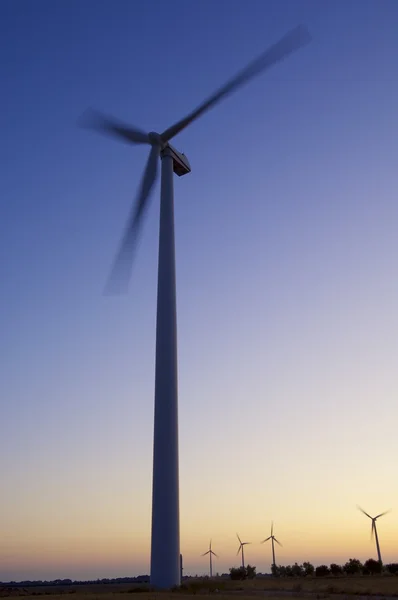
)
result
[(287, 275)]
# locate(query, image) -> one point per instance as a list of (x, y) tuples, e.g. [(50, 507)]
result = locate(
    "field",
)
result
[(337, 588)]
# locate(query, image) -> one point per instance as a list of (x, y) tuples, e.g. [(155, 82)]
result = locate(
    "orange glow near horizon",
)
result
[(95, 556)]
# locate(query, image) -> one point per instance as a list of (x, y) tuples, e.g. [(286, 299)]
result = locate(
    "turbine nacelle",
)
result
[(181, 164)]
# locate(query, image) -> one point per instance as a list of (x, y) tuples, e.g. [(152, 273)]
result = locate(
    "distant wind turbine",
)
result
[(240, 549), (211, 554), (273, 539), (373, 530)]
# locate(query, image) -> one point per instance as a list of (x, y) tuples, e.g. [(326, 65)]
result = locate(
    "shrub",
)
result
[(241, 573), (372, 567), (275, 571), (336, 569), (309, 569), (297, 570), (322, 571), (250, 572), (237, 573), (392, 568)]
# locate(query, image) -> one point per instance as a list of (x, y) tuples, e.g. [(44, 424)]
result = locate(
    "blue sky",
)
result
[(286, 271)]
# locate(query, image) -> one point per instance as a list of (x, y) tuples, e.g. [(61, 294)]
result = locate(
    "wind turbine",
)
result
[(165, 541), (373, 530), (211, 554), (273, 539), (240, 549)]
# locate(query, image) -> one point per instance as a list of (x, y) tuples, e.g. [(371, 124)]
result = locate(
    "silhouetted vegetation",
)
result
[(308, 569), (336, 569), (351, 568), (372, 567), (242, 573), (322, 571), (392, 568), (297, 570)]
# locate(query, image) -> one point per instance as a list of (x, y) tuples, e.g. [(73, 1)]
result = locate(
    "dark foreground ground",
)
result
[(272, 589)]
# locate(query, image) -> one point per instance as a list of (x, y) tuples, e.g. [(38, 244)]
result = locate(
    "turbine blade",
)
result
[(272, 528), (293, 40), (121, 270), (214, 554), (364, 512), (245, 543), (92, 119), (383, 513), (238, 550), (278, 542), (240, 541), (204, 554), (268, 538)]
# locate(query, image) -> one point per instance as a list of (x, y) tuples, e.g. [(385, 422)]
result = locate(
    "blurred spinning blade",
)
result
[(92, 119), (293, 40), (121, 270)]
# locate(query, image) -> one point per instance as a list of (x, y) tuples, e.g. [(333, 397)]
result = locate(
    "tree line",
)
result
[(352, 567)]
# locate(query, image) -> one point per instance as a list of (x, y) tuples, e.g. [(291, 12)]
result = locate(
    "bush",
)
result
[(297, 570), (392, 568), (276, 571), (336, 569), (353, 567), (237, 574), (241, 573), (372, 567), (309, 569), (322, 571), (250, 572)]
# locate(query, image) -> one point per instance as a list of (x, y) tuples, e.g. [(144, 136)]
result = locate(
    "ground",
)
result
[(332, 588)]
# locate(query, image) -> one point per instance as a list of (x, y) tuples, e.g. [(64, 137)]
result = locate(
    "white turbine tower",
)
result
[(211, 554), (373, 530), (273, 539), (240, 549), (165, 543)]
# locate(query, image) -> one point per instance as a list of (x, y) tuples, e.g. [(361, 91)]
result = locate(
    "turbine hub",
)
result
[(155, 138)]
